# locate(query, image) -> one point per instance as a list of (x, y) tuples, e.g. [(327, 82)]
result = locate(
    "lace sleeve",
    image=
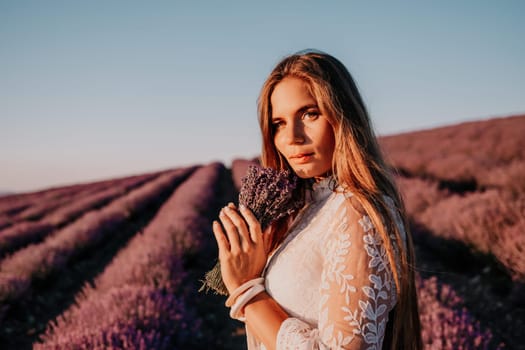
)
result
[(357, 290)]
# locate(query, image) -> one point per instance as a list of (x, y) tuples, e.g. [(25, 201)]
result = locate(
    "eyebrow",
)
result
[(307, 107), (300, 110)]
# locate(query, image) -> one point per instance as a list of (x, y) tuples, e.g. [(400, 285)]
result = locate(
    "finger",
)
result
[(220, 237), (238, 221), (253, 224), (231, 231), (267, 241)]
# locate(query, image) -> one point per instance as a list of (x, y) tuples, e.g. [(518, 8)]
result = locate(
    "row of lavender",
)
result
[(52, 209), (143, 299), (486, 154), (445, 321), (467, 182), (467, 232), (19, 271), (33, 205), (13, 204), (492, 221), (464, 188), (59, 213)]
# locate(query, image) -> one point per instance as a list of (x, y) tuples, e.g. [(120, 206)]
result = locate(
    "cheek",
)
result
[(332, 144), (328, 154), (277, 142), (328, 142)]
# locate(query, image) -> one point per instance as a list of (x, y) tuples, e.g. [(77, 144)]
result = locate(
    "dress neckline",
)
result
[(323, 188)]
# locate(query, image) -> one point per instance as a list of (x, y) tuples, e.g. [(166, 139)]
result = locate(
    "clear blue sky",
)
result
[(96, 89)]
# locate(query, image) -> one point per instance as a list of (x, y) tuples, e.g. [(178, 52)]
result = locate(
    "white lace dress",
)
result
[(332, 276)]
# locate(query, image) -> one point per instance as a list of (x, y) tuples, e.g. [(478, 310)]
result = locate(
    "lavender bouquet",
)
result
[(270, 194)]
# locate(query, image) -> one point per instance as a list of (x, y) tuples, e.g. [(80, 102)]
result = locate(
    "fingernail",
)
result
[(242, 207)]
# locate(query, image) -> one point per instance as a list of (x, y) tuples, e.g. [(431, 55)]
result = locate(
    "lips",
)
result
[(302, 157)]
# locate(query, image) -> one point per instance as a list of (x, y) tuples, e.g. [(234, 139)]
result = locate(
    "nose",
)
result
[(295, 133)]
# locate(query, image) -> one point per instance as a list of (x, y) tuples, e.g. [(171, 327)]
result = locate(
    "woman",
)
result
[(340, 273)]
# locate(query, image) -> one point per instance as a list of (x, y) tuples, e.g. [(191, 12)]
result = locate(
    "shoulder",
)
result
[(348, 203), (344, 213), (347, 213), (353, 206)]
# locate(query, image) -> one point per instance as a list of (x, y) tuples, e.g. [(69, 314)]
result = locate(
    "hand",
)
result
[(242, 252)]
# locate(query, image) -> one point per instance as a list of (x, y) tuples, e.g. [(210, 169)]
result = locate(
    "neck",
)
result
[(322, 177)]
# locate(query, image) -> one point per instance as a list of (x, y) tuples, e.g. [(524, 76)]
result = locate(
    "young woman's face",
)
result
[(301, 133)]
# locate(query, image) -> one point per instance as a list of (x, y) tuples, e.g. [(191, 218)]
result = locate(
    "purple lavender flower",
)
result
[(271, 195)]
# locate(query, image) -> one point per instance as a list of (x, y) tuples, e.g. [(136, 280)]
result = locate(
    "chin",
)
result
[(303, 175), (307, 173)]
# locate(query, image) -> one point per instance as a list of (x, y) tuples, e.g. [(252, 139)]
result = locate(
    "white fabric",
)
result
[(332, 276)]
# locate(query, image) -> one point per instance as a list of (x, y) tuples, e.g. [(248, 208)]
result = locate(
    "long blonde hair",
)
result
[(358, 166)]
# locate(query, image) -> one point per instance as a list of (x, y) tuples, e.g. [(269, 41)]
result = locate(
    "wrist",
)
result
[(237, 292), (242, 296), (259, 297)]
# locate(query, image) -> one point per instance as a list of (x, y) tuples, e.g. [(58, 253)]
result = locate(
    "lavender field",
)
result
[(117, 263)]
